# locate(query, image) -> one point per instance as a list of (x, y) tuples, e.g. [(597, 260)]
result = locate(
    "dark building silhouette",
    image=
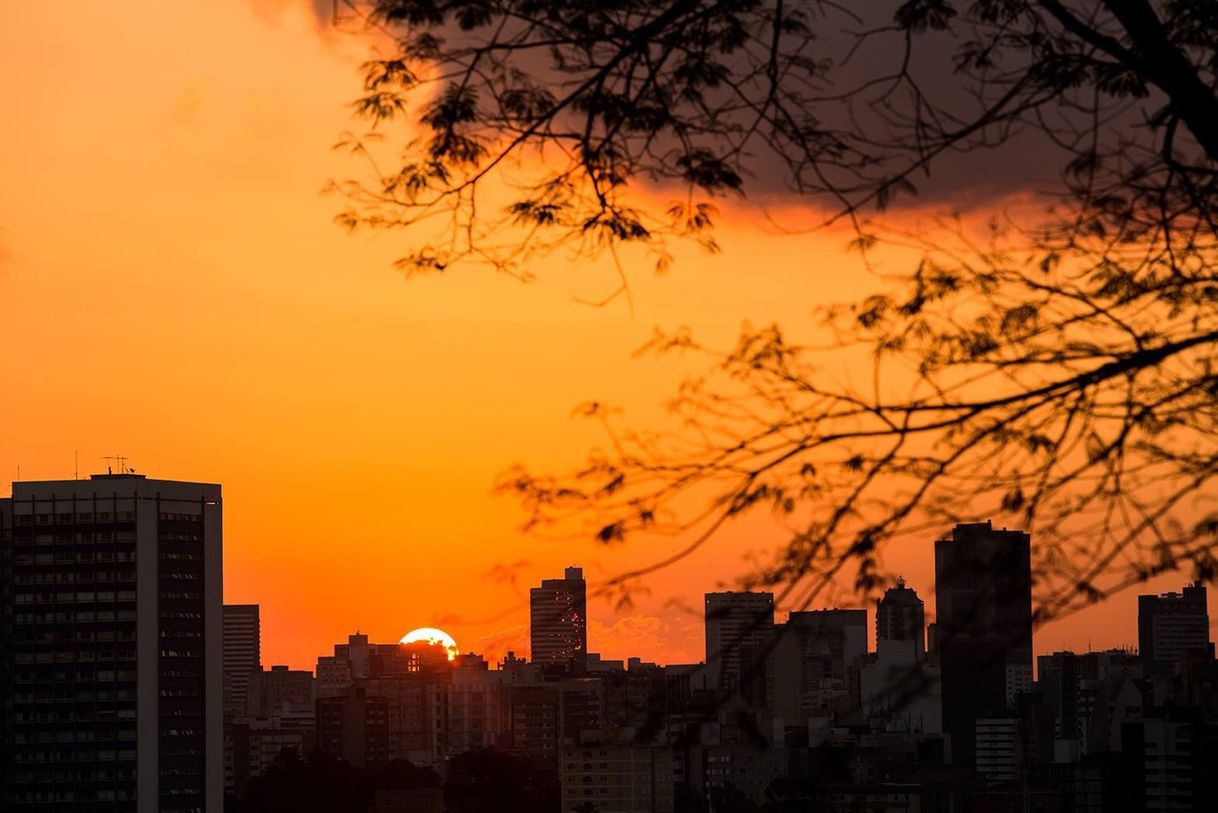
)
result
[(535, 722), (242, 655), (112, 665), (901, 616), (815, 663), (983, 599), (739, 632), (355, 727), (1171, 624), (558, 621), (278, 688)]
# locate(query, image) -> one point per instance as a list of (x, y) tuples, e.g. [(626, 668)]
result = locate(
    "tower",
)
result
[(900, 616), (558, 621), (115, 624), (1171, 624), (983, 601), (242, 655), (739, 631)]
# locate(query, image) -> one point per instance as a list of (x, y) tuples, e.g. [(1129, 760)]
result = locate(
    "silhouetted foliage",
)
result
[(687, 800), (790, 795), (402, 775), (1057, 368), (324, 784), (730, 799), (491, 780), (316, 784)]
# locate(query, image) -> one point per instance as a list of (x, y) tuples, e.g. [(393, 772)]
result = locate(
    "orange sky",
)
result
[(172, 289)]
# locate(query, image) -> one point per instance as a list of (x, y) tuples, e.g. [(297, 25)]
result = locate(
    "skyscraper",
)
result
[(983, 600), (558, 621), (1171, 624), (242, 655), (900, 616), (815, 663), (739, 631), (115, 622)]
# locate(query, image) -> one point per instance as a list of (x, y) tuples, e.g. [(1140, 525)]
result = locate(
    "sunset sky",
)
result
[(173, 289)]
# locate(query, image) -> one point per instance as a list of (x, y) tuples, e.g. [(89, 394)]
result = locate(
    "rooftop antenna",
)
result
[(116, 460), (76, 464)]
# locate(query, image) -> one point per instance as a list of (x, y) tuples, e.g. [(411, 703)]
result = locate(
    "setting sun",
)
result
[(432, 636)]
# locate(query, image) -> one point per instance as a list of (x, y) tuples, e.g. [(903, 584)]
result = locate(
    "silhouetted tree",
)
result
[(688, 800), (402, 775), (316, 784), (790, 795), (730, 799), (491, 780), (1057, 368)]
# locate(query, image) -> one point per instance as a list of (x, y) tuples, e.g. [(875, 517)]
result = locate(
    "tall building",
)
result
[(983, 601), (1171, 624), (739, 634), (113, 679), (558, 621), (815, 663), (242, 655), (900, 616)]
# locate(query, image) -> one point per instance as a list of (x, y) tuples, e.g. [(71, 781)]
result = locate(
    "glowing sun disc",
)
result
[(433, 636)]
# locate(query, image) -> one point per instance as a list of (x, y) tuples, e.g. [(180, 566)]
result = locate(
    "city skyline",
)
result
[(609, 407), (126, 683), (618, 638), (312, 368)]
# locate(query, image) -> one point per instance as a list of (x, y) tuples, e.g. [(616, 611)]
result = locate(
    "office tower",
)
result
[(1171, 624), (242, 655), (983, 600), (815, 662), (900, 616), (114, 688), (739, 637), (558, 621)]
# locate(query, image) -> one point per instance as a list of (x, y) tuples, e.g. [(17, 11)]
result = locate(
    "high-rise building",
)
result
[(900, 616), (983, 600), (739, 634), (113, 684), (815, 662), (558, 621), (1171, 624), (242, 655)]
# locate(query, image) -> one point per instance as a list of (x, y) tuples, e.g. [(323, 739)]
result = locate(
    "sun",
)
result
[(431, 635)]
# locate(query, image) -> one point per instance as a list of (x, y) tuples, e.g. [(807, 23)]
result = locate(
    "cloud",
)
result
[(495, 645), (674, 638)]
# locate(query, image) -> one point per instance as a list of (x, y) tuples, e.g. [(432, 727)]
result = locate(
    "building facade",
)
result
[(983, 599), (242, 655), (739, 637), (558, 621), (900, 616), (1171, 624), (113, 677)]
